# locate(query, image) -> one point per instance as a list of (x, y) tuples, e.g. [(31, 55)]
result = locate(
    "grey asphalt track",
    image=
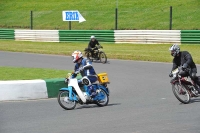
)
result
[(141, 101)]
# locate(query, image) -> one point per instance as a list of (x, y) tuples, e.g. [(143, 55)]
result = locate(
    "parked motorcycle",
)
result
[(97, 55), (73, 94), (183, 87)]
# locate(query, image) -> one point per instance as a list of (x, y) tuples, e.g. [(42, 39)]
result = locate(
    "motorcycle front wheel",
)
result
[(89, 56), (103, 57), (181, 93), (64, 101)]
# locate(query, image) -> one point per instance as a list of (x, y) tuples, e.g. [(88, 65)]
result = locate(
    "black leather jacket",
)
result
[(93, 44), (182, 58)]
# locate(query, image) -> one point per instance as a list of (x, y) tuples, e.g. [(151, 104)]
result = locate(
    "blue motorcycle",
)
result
[(76, 93)]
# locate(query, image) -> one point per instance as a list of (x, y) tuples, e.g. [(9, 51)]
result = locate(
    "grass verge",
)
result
[(141, 52), (100, 14), (15, 73)]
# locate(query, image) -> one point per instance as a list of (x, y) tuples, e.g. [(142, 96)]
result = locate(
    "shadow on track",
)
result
[(191, 101), (195, 100), (95, 106)]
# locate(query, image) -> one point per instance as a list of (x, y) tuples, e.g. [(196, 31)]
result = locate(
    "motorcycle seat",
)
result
[(96, 82)]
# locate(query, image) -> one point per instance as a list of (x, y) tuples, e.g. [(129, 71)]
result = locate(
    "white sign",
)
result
[(73, 15)]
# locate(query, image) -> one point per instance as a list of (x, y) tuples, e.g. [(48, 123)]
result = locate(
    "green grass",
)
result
[(141, 52), (15, 73), (100, 14)]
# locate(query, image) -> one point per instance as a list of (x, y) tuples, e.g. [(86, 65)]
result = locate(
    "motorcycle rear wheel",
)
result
[(64, 102), (181, 93), (104, 101)]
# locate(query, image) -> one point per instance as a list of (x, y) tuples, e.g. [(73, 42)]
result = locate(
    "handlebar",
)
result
[(180, 72), (98, 47), (69, 76)]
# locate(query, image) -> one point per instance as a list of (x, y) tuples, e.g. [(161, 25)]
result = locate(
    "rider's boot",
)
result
[(197, 85), (92, 91), (198, 89)]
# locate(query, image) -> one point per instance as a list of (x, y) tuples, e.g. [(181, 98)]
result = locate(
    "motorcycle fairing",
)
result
[(72, 95)]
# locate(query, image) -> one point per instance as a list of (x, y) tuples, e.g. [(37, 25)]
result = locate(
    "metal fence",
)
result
[(152, 18)]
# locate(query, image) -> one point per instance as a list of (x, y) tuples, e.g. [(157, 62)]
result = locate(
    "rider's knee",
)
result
[(86, 81)]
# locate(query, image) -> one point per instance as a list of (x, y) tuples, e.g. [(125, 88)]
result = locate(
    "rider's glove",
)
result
[(81, 69), (170, 75), (185, 65)]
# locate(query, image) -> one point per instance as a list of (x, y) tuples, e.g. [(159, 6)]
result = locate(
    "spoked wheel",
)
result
[(181, 93), (63, 100), (105, 100), (89, 56), (103, 57)]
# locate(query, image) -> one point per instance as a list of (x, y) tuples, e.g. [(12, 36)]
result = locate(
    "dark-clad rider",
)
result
[(92, 44), (184, 59)]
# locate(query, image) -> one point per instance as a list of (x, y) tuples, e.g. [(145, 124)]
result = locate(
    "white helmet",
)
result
[(76, 55), (92, 37), (175, 49)]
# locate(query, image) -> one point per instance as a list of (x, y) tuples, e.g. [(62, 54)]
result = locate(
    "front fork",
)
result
[(72, 95), (173, 82)]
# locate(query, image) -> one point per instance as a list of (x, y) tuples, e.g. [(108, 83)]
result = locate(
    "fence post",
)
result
[(31, 20), (170, 18), (70, 25), (116, 18)]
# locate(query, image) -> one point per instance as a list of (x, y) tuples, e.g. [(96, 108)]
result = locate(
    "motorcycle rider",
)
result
[(92, 45), (184, 59), (84, 66)]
